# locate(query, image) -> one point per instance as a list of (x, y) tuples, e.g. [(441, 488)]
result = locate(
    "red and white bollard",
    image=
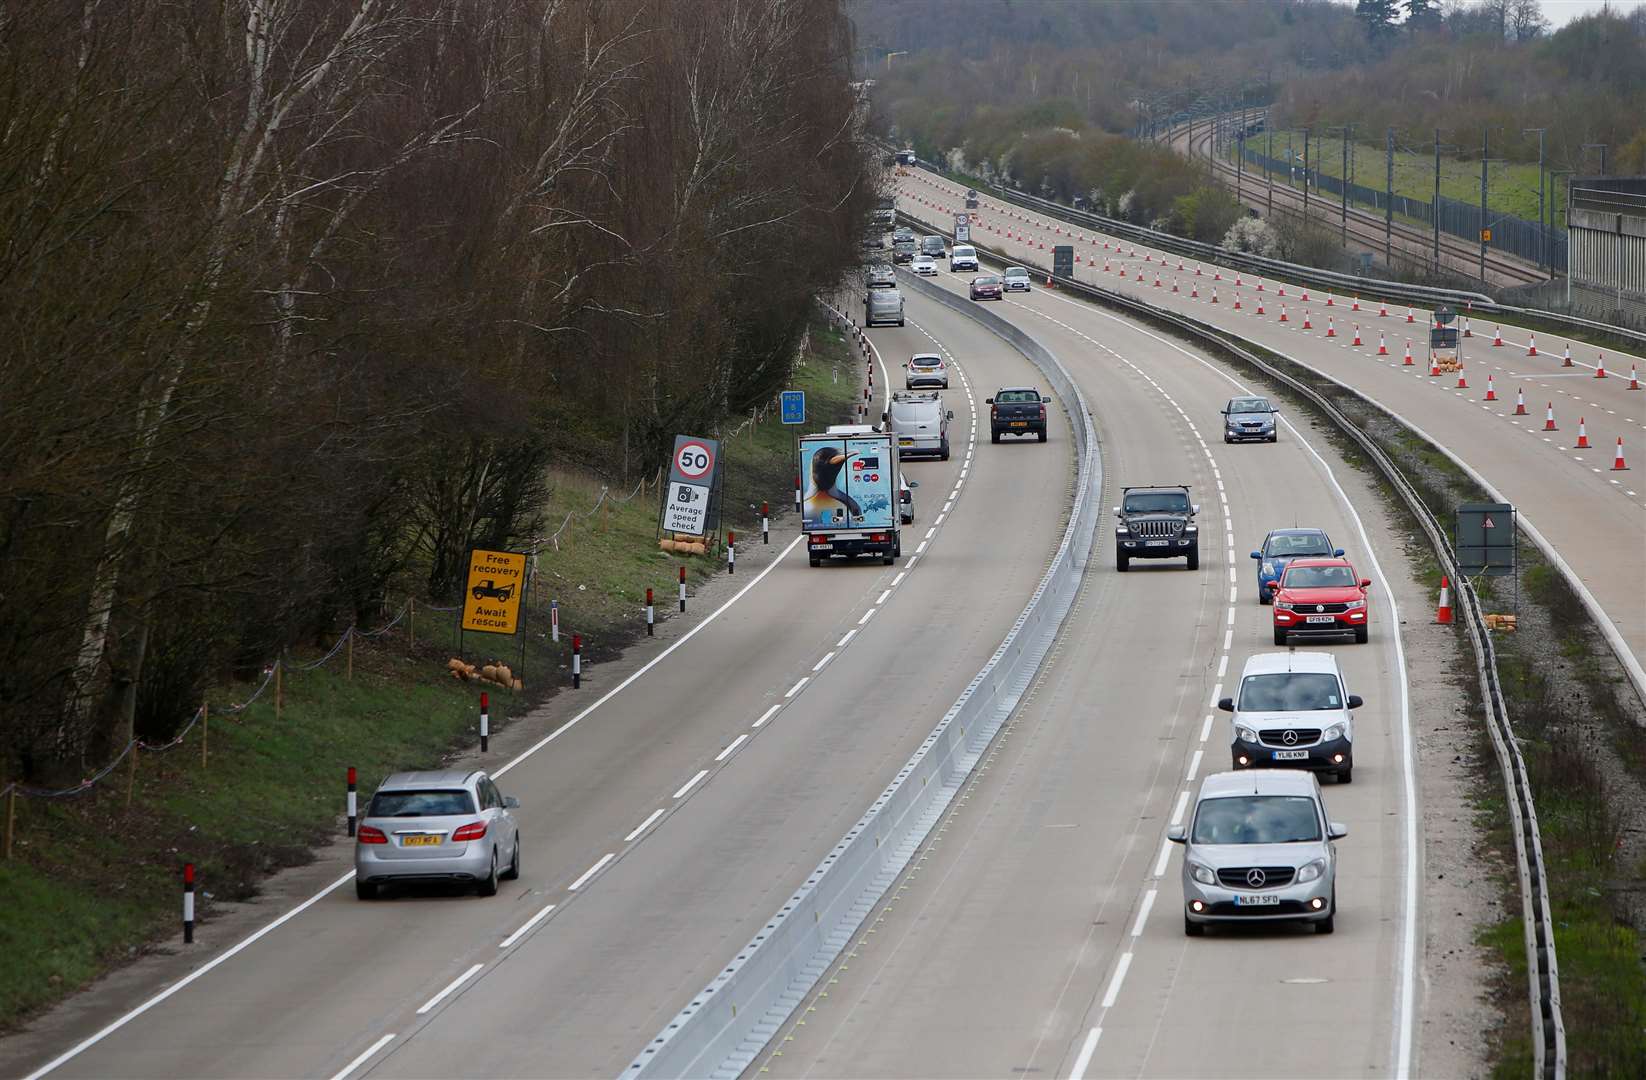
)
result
[(485, 721), (682, 590), (353, 803), (1582, 435), (765, 524), (554, 620), (731, 552), (797, 492), (188, 903), (651, 616), (577, 661)]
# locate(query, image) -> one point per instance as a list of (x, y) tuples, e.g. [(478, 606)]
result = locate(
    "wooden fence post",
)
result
[(279, 699), (205, 725), (131, 777), (350, 642), (413, 617)]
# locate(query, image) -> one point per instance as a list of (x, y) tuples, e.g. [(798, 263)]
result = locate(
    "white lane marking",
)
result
[(343, 1073), (1182, 804), (919, 551), (882, 599), (1085, 1057), (913, 559), (1228, 639), (826, 658), (731, 747), (797, 687), (1232, 579), (930, 532), (1231, 616), (1217, 693), (1160, 861), (452, 986), (1206, 728), (867, 615), (653, 662), (1143, 912), (1194, 764), (1223, 666), (92, 1040), (1234, 594), (767, 715), (689, 784), (841, 644), (1116, 979), (939, 520), (898, 580), (543, 914), (599, 865)]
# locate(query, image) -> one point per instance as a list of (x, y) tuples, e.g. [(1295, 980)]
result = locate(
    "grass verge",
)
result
[(95, 878)]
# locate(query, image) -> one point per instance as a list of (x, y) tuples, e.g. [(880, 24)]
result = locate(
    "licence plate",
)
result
[(1156, 543), (1020, 423), (1321, 619), (419, 841), (1260, 900), (905, 442), (1291, 755)]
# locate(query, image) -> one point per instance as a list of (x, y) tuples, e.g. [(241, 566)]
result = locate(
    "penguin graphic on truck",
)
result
[(849, 504)]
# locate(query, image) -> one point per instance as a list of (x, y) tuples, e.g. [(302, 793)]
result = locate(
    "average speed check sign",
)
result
[(691, 479)]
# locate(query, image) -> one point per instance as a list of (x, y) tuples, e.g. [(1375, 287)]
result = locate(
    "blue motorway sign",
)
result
[(794, 406)]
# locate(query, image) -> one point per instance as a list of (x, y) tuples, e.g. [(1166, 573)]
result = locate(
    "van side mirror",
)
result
[(1117, 512), (1355, 702), (1257, 555), (914, 483), (1226, 704), (1194, 508), (1336, 830), (1177, 834)]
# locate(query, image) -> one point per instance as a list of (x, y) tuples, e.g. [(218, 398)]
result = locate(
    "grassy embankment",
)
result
[(94, 879)]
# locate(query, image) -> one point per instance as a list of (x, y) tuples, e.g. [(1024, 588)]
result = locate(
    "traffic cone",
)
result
[(1307, 325), (1582, 435), (1356, 306), (1237, 302), (1634, 383), (1077, 262), (1356, 341), (1382, 310), (1408, 361), (1549, 421), (1443, 612), (1305, 294), (1462, 383), (1105, 266), (1331, 326), (1196, 269), (1180, 262), (1409, 314), (1260, 305), (1434, 367), (1531, 346), (1566, 359), (1467, 331), (1157, 279), (1237, 279), (1214, 294), (1617, 462), (1497, 338), (1194, 290), (1491, 391), (1259, 284), (1600, 369), (1140, 273), (1382, 344), (1282, 312), (1520, 402), (1217, 274), (1282, 291), (1174, 284), (1329, 300)]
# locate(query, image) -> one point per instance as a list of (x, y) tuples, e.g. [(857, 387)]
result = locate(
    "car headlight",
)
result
[(1355, 605), (1268, 569), (1283, 605), (1191, 528), (1202, 874), (1120, 530), (1309, 871), (1244, 733), (1333, 732)]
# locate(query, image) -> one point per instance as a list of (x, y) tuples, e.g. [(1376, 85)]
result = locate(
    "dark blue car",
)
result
[(1280, 547)]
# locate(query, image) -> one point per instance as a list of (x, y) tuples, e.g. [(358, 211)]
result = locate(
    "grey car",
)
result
[(447, 826), (1259, 848), (1249, 418)]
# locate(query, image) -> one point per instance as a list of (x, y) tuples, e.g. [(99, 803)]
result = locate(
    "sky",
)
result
[(1561, 12)]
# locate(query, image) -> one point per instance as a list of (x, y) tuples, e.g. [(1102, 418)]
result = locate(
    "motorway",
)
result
[(1594, 516), (661, 828), (1041, 931)]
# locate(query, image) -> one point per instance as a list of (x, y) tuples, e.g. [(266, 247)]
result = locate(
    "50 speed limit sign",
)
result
[(694, 459)]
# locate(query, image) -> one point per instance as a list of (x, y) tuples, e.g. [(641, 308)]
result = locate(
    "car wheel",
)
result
[(816, 561), (513, 872), (1346, 775), (1227, 440), (1329, 923), (1275, 437), (1042, 436), (994, 436), (1280, 636), (1193, 929), (1194, 558), (888, 559), (1361, 634), (1122, 562), (365, 890), (1264, 598), (900, 322), (488, 884)]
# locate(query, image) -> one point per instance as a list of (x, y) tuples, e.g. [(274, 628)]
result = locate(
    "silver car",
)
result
[(881, 306), (1259, 848), (1015, 279), (1249, 418), (450, 826)]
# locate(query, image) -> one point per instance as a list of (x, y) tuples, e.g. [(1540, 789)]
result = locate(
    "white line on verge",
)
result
[(541, 915), (731, 747), (799, 686), (1085, 1058), (1116, 979), (1143, 912), (689, 784), (826, 658), (363, 1058), (452, 986), (599, 865), (767, 715)]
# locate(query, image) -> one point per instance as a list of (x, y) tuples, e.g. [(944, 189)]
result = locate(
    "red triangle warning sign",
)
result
[(1488, 524)]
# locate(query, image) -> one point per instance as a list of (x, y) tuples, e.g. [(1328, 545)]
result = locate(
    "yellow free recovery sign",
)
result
[(491, 600)]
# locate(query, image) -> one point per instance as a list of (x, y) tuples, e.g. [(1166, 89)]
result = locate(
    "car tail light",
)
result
[(474, 830), (1042, 412), (369, 834), (993, 409)]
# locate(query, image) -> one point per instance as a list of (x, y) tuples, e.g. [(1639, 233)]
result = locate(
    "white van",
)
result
[(1292, 711), (882, 307), (920, 422), (963, 257)]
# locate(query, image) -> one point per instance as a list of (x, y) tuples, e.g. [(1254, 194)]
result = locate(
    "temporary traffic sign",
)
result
[(688, 504), (1486, 539), (694, 458), (491, 597), (794, 406)]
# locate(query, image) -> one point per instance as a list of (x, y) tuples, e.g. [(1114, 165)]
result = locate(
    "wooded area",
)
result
[(305, 296)]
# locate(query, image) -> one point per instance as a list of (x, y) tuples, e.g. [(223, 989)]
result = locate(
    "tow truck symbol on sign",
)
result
[(489, 589)]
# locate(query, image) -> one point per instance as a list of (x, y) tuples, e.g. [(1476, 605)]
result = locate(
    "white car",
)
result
[(1292, 711), (1015, 279), (924, 265), (963, 257)]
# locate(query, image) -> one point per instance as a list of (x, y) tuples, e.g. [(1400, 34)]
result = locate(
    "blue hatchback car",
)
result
[(1280, 547)]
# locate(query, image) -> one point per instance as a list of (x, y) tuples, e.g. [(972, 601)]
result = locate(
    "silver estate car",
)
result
[(451, 826), (1259, 848)]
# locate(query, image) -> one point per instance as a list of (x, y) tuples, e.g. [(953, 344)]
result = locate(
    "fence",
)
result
[(1511, 235)]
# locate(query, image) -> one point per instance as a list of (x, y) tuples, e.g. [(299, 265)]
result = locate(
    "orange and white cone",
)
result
[(1467, 332), (1305, 294), (1549, 421), (1356, 342), (1237, 302), (1617, 462), (1382, 344), (1259, 284), (1531, 346), (1408, 361), (1491, 391), (1462, 383), (1634, 383), (1329, 301), (1434, 367), (1497, 338), (1382, 310), (1174, 284), (1356, 306), (1140, 273), (1600, 368), (1566, 359), (1443, 611), (1214, 294), (1582, 435), (1217, 274), (1194, 291), (1282, 291), (1307, 325), (1520, 402), (1238, 282), (1157, 279), (1283, 313), (1409, 317), (1331, 326), (1260, 305)]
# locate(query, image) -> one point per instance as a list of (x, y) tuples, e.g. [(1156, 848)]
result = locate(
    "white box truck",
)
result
[(850, 487)]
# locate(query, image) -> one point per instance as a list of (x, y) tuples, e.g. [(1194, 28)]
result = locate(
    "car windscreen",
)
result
[(1009, 397), (441, 803), (1291, 546), (1256, 819), (1318, 577), (1158, 502), (1016, 272), (926, 361), (986, 279), (1290, 691), (1249, 405), (965, 253)]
